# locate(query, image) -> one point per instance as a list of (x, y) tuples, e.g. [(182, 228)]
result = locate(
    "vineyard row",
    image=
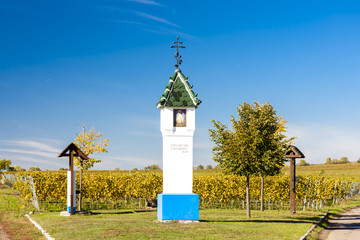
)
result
[(51, 186)]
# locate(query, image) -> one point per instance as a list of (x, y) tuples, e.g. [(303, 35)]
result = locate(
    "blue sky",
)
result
[(105, 64)]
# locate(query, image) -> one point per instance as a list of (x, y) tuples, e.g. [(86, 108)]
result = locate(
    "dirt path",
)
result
[(346, 225), (3, 235)]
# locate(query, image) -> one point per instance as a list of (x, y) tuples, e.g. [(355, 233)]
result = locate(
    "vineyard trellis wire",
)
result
[(106, 190)]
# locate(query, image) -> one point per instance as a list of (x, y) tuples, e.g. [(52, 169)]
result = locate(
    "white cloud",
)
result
[(26, 161), (32, 144), (319, 141), (21, 151), (28, 153), (29, 147), (148, 2), (172, 32), (130, 22), (125, 160), (155, 18)]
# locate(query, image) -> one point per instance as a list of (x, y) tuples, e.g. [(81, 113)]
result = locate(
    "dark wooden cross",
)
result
[(177, 56), (72, 151), (293, 153)]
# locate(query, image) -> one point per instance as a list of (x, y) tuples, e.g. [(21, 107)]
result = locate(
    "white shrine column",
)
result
[(68, 205), (177, 151), (177, 124)]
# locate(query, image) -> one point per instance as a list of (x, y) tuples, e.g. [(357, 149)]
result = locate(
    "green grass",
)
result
[(214, 224), (12, 217)]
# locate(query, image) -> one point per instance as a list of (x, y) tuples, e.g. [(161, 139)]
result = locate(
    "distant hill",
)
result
[(329, 170)]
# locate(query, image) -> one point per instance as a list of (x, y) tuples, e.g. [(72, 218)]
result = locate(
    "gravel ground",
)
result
[(3, 235), (344, 226)]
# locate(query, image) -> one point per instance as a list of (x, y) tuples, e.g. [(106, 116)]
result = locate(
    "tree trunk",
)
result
[(81, 173), (262, 194), (248, 197)]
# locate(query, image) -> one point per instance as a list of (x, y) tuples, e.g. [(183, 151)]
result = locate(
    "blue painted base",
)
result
[(178, 207), (69, 209)]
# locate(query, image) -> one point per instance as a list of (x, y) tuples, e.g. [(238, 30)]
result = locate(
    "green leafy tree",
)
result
[(89, 142), (344, 160), (34, 169), (209, 167), (153, 167), (302, 162), (4, 165), (255, 146), (217, 167), (18, 169), (200, 167)]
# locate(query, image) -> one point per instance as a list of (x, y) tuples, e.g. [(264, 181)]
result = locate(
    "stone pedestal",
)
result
[(178, 207)]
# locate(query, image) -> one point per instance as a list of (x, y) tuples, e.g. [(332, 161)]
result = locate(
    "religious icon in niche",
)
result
[(179, 117)]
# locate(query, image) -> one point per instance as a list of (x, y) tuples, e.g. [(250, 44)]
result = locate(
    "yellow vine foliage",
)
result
[(220, 188)]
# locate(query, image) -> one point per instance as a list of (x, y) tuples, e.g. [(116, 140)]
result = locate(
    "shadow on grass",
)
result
[(123, 212), (311, 220)]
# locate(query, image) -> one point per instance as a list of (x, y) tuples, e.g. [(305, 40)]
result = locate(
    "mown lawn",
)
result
[(214, 224), (143, 224)]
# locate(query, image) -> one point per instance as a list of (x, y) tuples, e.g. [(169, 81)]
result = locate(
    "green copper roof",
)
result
[(178, 93)]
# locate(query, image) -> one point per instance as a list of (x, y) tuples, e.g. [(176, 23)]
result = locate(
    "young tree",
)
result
[(256, 144), (200, 167), (89, 142), (19, 169), (4, 165), (209, 167), (302, 162), (152, 167), (274, 144), (34, 169), (344, 160)]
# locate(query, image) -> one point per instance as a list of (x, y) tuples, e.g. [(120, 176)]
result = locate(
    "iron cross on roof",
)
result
[(177, 56)]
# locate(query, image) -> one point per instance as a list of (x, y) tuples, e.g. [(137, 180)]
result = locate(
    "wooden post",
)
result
[(292, 154), (292, 186)]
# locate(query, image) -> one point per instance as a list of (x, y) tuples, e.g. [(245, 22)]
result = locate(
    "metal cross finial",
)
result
[(177, 56)]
